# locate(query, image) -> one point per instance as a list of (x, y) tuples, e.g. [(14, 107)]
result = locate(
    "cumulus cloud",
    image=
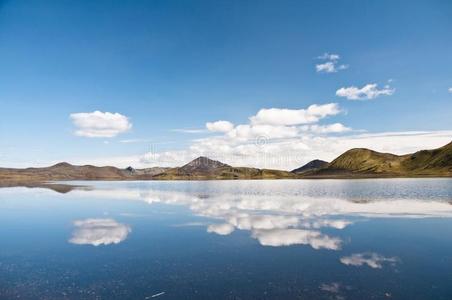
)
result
[(219, 126), (331, 65), (287, 237), (99, 232), (372, 260), (99, 124), (281, 116), (280, 138), (367, 92), (328, 67), (221, 229)]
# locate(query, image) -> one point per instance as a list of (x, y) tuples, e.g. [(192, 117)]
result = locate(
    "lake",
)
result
[(276, 239)]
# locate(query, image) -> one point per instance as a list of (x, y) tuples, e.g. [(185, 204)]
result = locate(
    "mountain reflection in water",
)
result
[(266, 239)]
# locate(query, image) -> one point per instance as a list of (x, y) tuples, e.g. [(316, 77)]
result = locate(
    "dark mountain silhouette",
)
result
[(202, 164), (311, 166)]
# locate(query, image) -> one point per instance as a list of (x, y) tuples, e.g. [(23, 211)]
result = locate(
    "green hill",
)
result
[(364, 162)]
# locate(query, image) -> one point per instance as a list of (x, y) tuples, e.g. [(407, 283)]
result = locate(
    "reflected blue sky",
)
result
[(251, 239)]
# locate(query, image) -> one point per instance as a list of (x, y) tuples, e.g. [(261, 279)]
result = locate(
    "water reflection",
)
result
[(373, 260), (99, 232), (333, 287), (221, 229), (278, 217), (229, 240), (287, 237)]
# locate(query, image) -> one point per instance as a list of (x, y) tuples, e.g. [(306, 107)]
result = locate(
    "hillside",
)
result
[(427, 161), (201, 168), (205, 168), (66, 171), (367, 163), (354, 163), (311, 166)]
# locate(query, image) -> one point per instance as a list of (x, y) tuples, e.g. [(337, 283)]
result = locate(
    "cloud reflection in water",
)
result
[(373, 260), (221, 229), (287, 237), (277, 217), (99, 232)]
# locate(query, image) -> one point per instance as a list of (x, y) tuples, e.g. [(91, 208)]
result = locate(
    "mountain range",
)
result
[(354, 163)]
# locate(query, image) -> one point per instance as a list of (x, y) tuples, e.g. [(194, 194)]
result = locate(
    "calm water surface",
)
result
[(284, 239)]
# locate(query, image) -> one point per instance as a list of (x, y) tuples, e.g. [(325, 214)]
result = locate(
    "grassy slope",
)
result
[(364, 162), (353, 163), (224, 173)]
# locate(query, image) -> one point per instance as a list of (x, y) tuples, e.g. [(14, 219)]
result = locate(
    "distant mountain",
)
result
[(202, 165), (203, 168), (311, 166), (66, 171), (367, 163), (354, 163)]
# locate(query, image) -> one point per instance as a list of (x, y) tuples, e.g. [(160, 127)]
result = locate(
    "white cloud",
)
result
[(279, 138), (133, 141), (99, 232), (267, 131), (99, 124), (219, 126), (281, 116), (331, 65), (328, 67), (329, 56), (367, 92), (322, 129), (450, 90), (221, 229), (189, 130), (372, 260)]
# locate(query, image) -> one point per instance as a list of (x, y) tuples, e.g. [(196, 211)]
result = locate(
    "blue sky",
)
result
[(171, 65)]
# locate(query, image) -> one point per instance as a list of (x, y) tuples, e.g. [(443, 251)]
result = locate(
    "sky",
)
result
[(269, 84)]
